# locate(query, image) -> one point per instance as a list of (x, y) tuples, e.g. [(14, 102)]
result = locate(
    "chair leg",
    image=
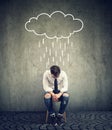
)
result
[(46, 120), (64, 115)]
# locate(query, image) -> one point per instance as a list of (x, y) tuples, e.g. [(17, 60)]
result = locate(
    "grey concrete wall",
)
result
[(89, 69)]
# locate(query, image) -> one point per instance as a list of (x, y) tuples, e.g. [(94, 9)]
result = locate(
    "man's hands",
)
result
[(55, 97)]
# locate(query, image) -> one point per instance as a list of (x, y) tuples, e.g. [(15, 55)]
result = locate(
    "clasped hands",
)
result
[(55, 97)]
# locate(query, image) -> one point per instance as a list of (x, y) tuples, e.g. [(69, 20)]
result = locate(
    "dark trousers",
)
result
[(63, 104)]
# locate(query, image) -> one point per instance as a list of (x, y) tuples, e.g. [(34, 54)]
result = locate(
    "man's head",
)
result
[(55, 71)]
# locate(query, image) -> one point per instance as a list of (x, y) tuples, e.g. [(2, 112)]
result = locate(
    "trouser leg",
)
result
[(64, 102), (49, 104)]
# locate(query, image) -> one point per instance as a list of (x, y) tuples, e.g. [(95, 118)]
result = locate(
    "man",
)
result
[(55, 84)]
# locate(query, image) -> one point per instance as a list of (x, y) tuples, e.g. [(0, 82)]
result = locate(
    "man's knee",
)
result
[(47, 95), (65, 94)]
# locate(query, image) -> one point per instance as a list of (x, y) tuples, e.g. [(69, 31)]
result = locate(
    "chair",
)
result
[(47, 115)]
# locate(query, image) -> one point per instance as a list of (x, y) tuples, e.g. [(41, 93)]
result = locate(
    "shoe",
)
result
[(53, 120), (60, 119)]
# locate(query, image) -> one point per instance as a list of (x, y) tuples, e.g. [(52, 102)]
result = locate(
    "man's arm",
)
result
[(65, 83), (46, 83)]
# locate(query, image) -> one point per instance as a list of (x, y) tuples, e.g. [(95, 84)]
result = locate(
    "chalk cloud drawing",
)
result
[(57, 18), (55, 26)]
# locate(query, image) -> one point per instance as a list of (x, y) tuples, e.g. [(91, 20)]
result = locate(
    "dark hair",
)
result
[(55, 70)]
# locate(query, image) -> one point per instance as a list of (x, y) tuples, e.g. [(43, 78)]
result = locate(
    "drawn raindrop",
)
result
[(68, 41), (49, 52), (46, 49), (55, 53), (52, 44), (57, 40), (68, 57), (43, 41), (39, 44), (53, 59), (62, 53), (64, 46)]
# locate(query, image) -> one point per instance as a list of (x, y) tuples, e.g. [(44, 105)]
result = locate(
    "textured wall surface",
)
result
[(90, 55)]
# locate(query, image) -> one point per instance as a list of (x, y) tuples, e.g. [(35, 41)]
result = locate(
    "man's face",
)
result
[(55, 77)]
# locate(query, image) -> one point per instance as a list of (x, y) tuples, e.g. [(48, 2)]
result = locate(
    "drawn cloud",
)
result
[(56, 25)]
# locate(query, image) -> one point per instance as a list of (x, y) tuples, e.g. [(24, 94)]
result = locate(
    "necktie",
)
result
[(56, 86)]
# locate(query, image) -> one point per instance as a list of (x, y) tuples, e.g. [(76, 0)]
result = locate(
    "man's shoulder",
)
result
[(63, 73), (47, 72)]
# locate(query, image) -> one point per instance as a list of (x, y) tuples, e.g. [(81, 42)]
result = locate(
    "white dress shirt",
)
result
[(48, 81)]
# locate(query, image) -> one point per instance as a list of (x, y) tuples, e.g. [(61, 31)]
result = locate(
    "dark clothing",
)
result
[(63, 104)]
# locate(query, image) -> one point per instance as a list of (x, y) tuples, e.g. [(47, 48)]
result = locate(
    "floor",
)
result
[(91, 120)]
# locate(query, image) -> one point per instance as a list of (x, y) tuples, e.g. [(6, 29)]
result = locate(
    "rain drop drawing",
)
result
[(56, 27)]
